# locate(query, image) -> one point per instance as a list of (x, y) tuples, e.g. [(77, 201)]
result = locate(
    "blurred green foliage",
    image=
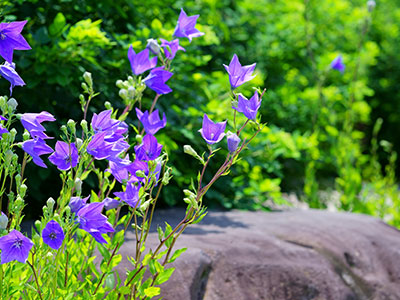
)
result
[(325, 129)]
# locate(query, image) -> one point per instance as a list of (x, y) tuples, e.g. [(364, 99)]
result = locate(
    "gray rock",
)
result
[(299, 255)]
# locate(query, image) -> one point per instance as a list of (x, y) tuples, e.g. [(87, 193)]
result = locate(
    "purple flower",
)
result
[(212, 132), (104, 123), (156, 80), (35, 148), (170, 48), (131, 194), (248, 107), (93, 221), (65, 157), (337, 64), (119, 169), (110, 203), (233, 141), (185, 26), (141, 62), (76, 203), (53, 235), (32, 123), (238, 74), (8, 72), (152, 122), (15, 246), (150, 149), (98, 148), (11, 39)]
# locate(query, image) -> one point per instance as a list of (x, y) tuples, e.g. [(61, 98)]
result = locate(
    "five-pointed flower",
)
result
[(141, 62), (238, 74), (93, 221), (11, 39), (53, 235), (15, 246), (233, 141), (32, 123), (170, 48), (8, 72), (76, 203), (151, 122), (65, 157), (185, 26), (149, 149), (156, 80), (212, 132), (35, 148), (248, 107), (337, 64), (131, 194)]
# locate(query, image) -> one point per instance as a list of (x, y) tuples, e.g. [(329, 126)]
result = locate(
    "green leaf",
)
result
[(104, 251), (164, 276), (152, 291), (176, 254), (58, 25)]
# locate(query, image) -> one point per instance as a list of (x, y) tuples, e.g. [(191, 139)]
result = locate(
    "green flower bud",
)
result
[(50, 203), (78, 185), (64, 129), (167, 176), (82, 98), (87, 76), (12, 104), (26, 136), (119, 83), (38, 225), (84, 125), (138, 138), (85, 87), (123, 94), (8, 157), (22, 190), (130, 79), (3, 221), (71, 126), (131, 92), (140, 173), (107, 105), (13, 133), (78, 143), (19, 202), (18, 179), (189, 150)]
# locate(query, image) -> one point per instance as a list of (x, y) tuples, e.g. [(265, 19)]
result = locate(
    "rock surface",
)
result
[(299, 255)]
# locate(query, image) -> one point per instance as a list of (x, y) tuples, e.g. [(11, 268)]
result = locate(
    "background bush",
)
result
[(331, 138)]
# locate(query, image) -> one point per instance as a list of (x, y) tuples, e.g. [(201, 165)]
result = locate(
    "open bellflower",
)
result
[(76, 203), (8, 72), (131, 194), (35, 148), (151, 122), (170, 48), (156, 80), (53, 235), (11, 39), (93, 221), (212, 132), (15, 246), (248, 107), (238, 74), (33, 123), (149, 149), (337, 64), (185, 26), (141, 62), (65, 157)]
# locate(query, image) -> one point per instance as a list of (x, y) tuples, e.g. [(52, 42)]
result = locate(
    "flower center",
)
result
[(2, 35), (18, 243), (68, 159), (53, 236)]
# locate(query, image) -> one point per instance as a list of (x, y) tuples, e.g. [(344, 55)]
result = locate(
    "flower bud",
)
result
[(49, 255), (85, 87), (50, 203), (130, 80), (153, 46), (371, 5), (12, 103), (107, 105), (67, 211), (78, 143), (3, 105), (18, 180), (78, 185), (71, 126), (138, 138), (123, 94), (64, 129), (82, 98), (87, 76), (189, 150), (3, 221), (13, 133), (233, 141), (84, 126), (22, 190), (166, 177), (140, 173), (19, 202), (119, 83), (131, 92), (8, 157), (38, 225), (26, 135)]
